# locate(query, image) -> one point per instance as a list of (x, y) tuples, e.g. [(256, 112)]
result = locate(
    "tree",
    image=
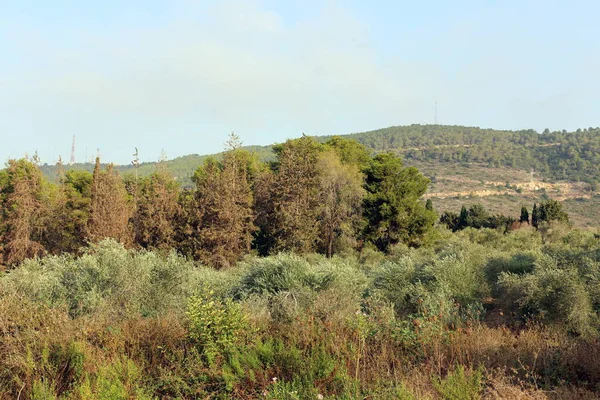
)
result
[(450, 219), (295, 196), (349, 151), (69, 204), (393, 206), (429, 205), (341, 191), (264, 210), (535, 216), (552, 210), (224, 208), (109, 209), (478, 217), (156, 209), (463, 219), (22, 211), (524, 215)]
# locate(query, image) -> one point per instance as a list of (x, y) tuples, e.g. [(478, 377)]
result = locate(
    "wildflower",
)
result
[(320, 396)]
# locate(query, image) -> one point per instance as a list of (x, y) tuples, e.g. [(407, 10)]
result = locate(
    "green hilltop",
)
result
[(558, 155)]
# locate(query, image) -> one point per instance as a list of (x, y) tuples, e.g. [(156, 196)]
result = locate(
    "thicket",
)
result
[(474, 314)]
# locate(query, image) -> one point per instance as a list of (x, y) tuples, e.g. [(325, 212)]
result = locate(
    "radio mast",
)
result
[(72, 152)]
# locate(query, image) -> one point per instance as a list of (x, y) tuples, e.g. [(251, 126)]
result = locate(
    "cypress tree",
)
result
[(535, 216), (429, 205), (524, 215), (463, 219)]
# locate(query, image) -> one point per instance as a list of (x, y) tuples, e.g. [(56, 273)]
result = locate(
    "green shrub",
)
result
[(519, 264), (282, 273), (214, 325), (552, 294), (291, 284), (107, 278), (42, 390), (460, 384), (120, 379), (393, 281), (463, 279)]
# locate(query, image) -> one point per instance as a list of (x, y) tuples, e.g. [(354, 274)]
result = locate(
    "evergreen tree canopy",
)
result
[(393, 207)]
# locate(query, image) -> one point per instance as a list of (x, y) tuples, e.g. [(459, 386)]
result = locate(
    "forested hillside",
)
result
[(573, 156), (561, 155)]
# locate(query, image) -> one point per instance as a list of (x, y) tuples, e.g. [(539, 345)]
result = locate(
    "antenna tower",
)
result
[(72, 152), (436, 118)]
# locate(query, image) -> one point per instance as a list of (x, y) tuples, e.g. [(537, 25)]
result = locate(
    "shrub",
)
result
[(464, 280), (553, 295), (291, 284), (214, 325), (460, 384), (393, 281), (520, 263), (107, 277)]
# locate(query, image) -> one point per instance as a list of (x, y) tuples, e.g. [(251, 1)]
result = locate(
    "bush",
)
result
[(460, 384), (214, 325), (519, 264), (291, 284), (552, 294), (107, 278)]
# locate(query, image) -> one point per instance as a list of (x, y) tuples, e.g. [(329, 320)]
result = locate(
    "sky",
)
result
[(177, 76)]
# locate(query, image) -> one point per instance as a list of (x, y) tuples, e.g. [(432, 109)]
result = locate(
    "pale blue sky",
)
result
[(179, 75)]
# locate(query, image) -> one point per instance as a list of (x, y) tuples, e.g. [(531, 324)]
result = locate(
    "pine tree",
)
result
[(224, 208), (393, 206), (552, 210), (295, 196), (109, 211), (156, 209), (23, 212), (349, 151), (69, 204), (341, 194)]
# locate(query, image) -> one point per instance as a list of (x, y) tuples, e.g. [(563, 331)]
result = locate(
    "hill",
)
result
[(499, 168)]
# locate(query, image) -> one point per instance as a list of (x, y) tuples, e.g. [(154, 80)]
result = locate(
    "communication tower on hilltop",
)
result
[(72, 152)]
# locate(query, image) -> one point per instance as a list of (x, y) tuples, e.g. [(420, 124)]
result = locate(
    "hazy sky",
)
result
[(179, 75)]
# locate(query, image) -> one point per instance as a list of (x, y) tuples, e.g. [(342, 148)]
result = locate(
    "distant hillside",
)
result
[(500, 169), (182, 168), (571, 156)]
